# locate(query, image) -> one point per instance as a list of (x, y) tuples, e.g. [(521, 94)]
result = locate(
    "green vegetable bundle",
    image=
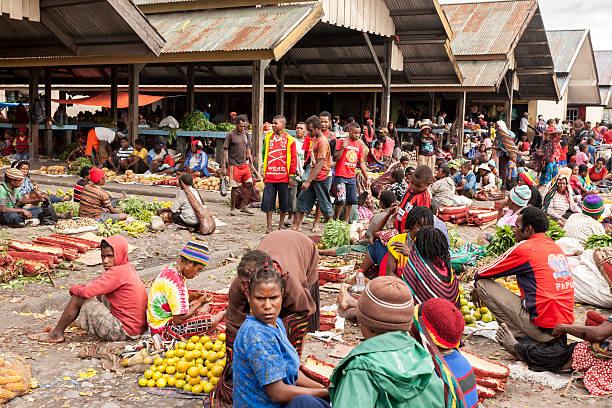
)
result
[(555, 232), (453, 236), (139, 208), (76, 166), (337, 233), (67, 206), (502, 241), (64, 155), (225, 127), (197, 122), (598, 241)]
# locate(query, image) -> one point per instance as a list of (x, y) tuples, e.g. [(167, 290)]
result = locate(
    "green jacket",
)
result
[(389, 370)]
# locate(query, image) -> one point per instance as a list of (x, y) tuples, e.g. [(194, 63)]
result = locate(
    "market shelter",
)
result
[(604, 72)]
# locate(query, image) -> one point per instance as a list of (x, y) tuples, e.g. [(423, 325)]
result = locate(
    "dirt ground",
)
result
[(31, 306)]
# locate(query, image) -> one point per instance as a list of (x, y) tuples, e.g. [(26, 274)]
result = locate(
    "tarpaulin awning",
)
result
[(12, 104), (104, 99)]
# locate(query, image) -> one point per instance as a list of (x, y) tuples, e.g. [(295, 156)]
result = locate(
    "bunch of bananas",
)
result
[(61, 193), (108, 228), (134, 227), (164, 204)]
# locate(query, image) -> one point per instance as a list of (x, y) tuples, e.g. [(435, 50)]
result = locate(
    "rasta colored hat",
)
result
[(14, 174), (425, 127), (443, 321), (520, 195), (196, 250), (527, 178), (386, 305), (593, 206), (96, 174)]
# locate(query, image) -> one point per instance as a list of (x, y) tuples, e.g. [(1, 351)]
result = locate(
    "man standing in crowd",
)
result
[(540, 129), (236, 154), (300, 133), (279, 168), (317, 186), (349, 152), (524, 124)]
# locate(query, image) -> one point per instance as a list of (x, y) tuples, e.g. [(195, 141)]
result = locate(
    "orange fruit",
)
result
[(143, 382), (171, 381), (180, 384), (180, 353), (211, 356), (187, 387), (197, 346), (182, 366), (151, 383), (203, 371), (170, 369), (208, 345), (180, 376), (204, 340), (189, 355), (214, 380), (193, 371), (158, 361), (217, 371), (217, 346), (181, 345), (194, 380), (197, 354), (161, 368), (200, 361), (207, 388), (189, 346), (161, 383), (170, 353), (221, 354), (157, 375), (194, 339), (148, 374), (221, 336), (197, 388)]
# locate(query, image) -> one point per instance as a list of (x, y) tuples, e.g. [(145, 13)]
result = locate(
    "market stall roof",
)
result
[(250, 33), (604, 70), (490, 38), (104, 99), (69, 28), (574, 61)]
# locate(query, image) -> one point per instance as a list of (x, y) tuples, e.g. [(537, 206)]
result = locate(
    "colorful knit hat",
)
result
[(528, 178), (520, 195), (386, 305), (593, 206), (196, 250), (14, 174), (96, 174), (444, 322)]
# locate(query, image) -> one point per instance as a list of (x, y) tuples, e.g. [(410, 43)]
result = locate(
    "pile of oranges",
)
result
[(510, 285), (195, 366)]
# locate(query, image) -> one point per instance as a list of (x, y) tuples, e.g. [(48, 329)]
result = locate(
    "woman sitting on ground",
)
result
[(173, 312), (425, 265), (559, 201), (266, 367), (196, 162), (598, 172), (28, 190)]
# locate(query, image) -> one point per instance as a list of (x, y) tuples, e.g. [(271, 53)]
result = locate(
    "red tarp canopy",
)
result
[(104, 99)]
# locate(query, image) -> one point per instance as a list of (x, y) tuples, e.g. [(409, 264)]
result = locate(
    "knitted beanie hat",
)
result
[(96, 174), (196, 250), (14, 174), (593, 206), (520, 195), (444, 322), (528, 178), (386, 305)]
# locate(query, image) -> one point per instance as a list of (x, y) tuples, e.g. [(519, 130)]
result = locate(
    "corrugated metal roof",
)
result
[(483, 73), (604, 93), (562, 82), (604, 66), (488, 27), (564, 47), (235, 29)]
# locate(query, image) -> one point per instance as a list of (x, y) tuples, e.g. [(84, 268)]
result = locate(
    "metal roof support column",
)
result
[(257, 109), (385, 98), (32, 94), (67, 133), (432, 100), (48, 132), (461, 125), (190, 88), (133, 84), (113, 94), (280, 87)]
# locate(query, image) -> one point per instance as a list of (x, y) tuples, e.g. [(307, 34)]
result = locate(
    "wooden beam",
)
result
[(45, 4), (294, 108), (413, 12), (418, 40), (32, 95), (134, 83), (385, 98), (481, 57), (280, 87), (297, 67), (257, 109), (190, 105), (530, 43), (420, 33), (54, 29), (114, 93), (48, 132), (461, 125), (530, 56), (366, 37), (543, 70), (424, 60)]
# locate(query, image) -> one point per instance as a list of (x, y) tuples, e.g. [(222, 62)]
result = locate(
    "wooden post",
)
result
[(190, 105), (373, 113), (225, 107), (294, 107), (133, 85), (113, 94), (461, 135), (385, 98), (280, 87), (257, 109), (510, 100), (48, 115), (32, 94), (432, 114)]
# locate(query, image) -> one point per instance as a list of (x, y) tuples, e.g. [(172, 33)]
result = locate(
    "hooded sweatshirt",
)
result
[(122, 287), (389, 370)]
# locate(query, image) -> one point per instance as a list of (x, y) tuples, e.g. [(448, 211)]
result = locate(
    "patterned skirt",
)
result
[(221, 395), (597, 371), (194, 326)]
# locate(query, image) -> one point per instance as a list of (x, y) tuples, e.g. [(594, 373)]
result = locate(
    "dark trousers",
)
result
[(307, 401), (14, 218)]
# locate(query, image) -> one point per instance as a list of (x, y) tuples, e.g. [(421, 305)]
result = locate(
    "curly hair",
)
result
[(418, 214)]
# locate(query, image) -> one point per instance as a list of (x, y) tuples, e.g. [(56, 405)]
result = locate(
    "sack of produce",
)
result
[(15, 377)]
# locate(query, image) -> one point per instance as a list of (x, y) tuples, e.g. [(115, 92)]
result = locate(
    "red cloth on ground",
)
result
[(122, 287)]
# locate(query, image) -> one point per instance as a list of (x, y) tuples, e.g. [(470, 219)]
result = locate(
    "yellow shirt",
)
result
[(142, 153)]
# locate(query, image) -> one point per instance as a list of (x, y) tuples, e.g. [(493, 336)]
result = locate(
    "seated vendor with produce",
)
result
[(196, 162), (119, 162), (547, 292), (137, 162), (95, 202), (29, 191), (173, 312), (182, 212), (112, 306), (12, 212), (161, 162)]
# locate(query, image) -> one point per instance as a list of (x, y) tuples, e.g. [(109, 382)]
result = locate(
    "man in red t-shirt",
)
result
[(349, 152), (279, 169), (607, 137), (316, 187), (543, 277)]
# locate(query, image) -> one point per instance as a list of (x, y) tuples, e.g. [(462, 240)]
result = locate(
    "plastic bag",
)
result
[(47, 216), (223, 186), (589, 286), (37, 113), (15, 376)]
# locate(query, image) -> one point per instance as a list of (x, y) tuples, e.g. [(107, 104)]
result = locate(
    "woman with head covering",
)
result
[(172, 311), (426, 143), (519, 198), (112, 306), (196, 162), (559, 203), (527, 179), (29, 192), (12, 212)]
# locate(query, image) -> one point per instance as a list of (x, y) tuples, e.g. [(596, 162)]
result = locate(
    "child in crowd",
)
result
[(521, 167), (512, 171), (82, 182), (389, 369), (21, 144), (446, 154), (7, 148), (399, 186)]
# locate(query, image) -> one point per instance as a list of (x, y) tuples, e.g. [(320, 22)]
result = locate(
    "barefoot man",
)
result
[(113, 306), (547, 290), (236, 154)]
